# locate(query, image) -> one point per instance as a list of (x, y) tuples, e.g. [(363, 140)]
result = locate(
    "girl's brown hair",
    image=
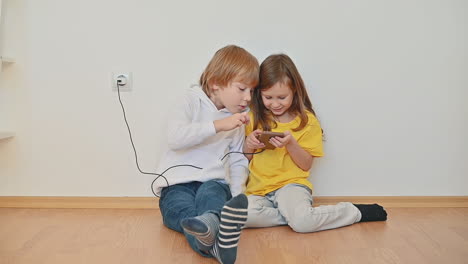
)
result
[(227, 64), (279, 68)]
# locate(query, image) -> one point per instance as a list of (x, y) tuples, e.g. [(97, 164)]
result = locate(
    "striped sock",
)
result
[(233, 218), (204, 227)]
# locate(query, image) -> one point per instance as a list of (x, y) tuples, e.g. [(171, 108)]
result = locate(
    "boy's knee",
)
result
[(211, 185)]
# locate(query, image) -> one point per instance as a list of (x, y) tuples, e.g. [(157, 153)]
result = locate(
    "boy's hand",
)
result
[(252, 141), (280, 142), (231, 122)]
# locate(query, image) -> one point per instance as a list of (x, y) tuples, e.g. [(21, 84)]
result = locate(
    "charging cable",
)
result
[(121, 82)]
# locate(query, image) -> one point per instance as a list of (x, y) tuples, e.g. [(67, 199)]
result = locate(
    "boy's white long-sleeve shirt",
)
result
[(192, 140)]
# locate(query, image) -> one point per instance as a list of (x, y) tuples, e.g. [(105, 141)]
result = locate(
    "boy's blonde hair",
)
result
[(229, 63)]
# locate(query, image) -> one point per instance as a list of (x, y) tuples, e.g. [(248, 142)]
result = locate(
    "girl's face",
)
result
[(278, 99)]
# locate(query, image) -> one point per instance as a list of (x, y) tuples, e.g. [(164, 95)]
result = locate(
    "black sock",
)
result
[(371, 212)]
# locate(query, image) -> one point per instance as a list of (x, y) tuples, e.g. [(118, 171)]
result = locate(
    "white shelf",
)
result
[(5, 61), (4, 135)]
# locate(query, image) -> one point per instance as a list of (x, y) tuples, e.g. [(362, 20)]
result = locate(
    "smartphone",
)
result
[(265, 138)]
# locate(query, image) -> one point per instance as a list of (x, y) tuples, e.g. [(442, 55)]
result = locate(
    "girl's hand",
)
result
[(280, 142), (231, 122), (252, 141)]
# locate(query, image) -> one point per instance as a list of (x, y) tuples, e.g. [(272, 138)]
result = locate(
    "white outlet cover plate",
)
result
[(127, 87)]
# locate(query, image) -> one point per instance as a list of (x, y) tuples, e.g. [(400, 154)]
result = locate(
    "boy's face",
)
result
[(235, 96)]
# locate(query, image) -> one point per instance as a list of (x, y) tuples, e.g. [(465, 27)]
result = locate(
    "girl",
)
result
[(278, 189)]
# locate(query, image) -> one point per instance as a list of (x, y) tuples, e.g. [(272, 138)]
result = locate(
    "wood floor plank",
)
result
[(153, 202), (411, 235)]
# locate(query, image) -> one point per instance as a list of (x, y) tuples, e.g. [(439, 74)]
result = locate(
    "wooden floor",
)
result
[(411, 235)]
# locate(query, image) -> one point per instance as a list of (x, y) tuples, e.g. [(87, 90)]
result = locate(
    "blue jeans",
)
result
[(191, 199)]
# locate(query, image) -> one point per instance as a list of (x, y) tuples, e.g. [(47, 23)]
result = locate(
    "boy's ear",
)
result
[(215, 87)]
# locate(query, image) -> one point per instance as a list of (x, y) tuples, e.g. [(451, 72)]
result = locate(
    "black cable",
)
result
[(162, 174), (135, 152), (242, 153)]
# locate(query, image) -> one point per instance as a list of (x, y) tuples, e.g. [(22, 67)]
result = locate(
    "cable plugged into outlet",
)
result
[(123, 80)]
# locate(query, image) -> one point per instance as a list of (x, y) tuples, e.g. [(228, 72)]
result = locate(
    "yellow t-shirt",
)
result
[(273, 169)]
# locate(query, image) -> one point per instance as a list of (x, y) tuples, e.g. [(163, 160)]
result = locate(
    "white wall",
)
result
[(387, 78)]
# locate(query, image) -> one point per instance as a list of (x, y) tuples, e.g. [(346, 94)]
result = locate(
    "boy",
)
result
[(208, 126)]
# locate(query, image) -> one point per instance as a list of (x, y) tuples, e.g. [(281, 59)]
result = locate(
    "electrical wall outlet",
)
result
[(124, 79)]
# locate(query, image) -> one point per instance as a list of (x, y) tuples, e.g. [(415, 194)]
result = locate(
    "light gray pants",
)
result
[(292, 205)]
